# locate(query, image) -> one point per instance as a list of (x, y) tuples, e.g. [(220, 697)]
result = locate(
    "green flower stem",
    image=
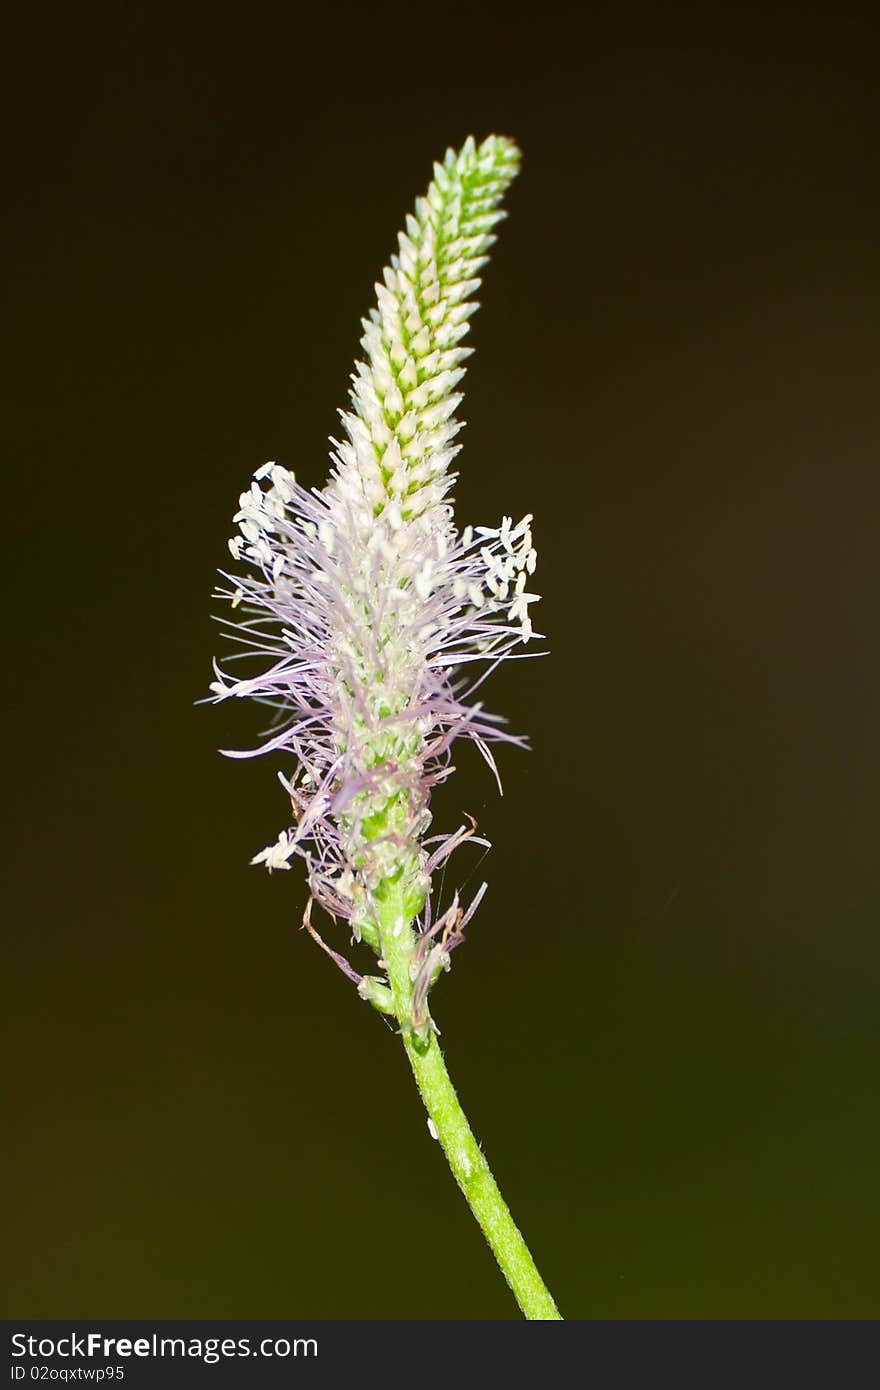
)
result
[(465, 1158)]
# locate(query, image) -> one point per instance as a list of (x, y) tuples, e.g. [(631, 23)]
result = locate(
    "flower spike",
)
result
[(375, 613)]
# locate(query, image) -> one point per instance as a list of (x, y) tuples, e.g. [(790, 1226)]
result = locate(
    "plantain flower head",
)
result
[(369, 618)]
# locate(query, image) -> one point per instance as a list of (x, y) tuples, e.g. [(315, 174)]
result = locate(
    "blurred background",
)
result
[(664, 1026)]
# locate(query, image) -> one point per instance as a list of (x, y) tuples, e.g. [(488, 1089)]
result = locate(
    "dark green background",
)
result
[(664, 1026)]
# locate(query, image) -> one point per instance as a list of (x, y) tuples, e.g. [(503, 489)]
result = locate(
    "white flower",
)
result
[(364, 605)]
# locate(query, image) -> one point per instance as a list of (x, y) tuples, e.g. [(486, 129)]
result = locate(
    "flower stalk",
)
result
[(373, 621), (448, 1124)]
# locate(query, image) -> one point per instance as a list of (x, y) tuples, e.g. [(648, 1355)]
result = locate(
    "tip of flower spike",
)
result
[(496, 152)]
